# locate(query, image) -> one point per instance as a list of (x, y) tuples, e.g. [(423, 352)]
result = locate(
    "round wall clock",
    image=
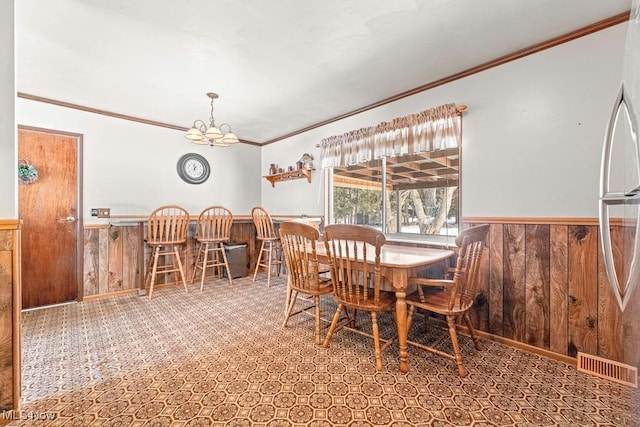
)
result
[(193, 168)]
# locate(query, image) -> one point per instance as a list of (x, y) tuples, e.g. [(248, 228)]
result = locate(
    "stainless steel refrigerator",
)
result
[(619, 215)]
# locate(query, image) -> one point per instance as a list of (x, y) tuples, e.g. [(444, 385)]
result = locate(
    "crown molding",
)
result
[(65, 104)]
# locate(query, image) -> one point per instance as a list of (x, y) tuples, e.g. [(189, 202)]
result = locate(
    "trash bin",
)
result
[(237, 259)]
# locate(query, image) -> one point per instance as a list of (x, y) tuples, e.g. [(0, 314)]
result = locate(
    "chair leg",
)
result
[(205, 255), (316, 303), (291, 302), (147, 274), (226, 262), (279, 257), (177, 255), (197, 263), (155, 255), (287, 299), (472, 331), (451, 321), (259, 261), (175, 264), (376, 340), (334, 324), (412, 309), (215, 259), (269, 264)]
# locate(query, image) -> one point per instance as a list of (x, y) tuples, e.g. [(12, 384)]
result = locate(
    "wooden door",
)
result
[(49, 210)]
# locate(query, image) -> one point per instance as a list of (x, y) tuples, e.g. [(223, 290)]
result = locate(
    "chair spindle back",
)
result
[(299, 246), (349, 247), (264, 224), (168, 225), (466, 278), (214, 224)]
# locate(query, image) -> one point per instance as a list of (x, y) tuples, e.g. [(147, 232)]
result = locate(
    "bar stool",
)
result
[(213, 229), (270, 255), (166, 233)]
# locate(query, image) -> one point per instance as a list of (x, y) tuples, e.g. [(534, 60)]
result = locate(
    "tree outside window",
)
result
[(420, 194)]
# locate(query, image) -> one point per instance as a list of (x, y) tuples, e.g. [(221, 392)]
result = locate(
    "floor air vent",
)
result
[(608, 369)]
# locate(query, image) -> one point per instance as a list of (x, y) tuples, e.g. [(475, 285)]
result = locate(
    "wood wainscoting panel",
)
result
[(537, 285), (514, 291), (114, 278), (103, 261), (610, 331), (558, 296), (631, 315), (115, 256), (91, 261), (111, 259), (631, 331), (583, 290), (496, 281), (547, 288), (6, 327), (482, 300), (10, 306), (132, 265)]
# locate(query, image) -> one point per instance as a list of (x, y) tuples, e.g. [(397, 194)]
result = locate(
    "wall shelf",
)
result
[(288, 175)]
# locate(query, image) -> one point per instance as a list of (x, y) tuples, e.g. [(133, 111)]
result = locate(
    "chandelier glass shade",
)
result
[(209, 134)]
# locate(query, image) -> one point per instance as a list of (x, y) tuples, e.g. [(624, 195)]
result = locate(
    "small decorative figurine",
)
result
[(307, 161)]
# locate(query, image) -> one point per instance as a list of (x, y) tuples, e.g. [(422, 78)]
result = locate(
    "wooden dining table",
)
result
[(397, 265)]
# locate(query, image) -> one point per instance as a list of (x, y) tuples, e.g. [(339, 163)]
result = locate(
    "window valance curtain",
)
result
[(434, 129)]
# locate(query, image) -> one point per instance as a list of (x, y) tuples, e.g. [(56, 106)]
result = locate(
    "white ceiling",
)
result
[(279, 65)]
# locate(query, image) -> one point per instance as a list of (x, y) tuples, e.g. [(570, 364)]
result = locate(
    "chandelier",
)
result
[(212, 135)]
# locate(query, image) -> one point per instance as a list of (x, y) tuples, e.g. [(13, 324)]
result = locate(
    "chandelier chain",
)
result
[(212, 121)]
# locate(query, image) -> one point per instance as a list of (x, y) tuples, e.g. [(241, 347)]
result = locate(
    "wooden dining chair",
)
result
[(356, 282), (166, 234), (213, 229), (452, 298), (270, 255), (303, 274)]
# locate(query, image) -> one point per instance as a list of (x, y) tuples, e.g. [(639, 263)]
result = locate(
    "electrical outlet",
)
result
[(94, 211), (104, 212)]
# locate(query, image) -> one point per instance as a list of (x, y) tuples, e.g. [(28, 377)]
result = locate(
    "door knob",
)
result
[(70, 218)]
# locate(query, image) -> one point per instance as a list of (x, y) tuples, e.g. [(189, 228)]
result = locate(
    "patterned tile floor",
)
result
[(221, 358)]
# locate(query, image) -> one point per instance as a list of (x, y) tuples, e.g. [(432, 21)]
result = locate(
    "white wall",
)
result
[(131, 167), (532, 136), (8, 171)]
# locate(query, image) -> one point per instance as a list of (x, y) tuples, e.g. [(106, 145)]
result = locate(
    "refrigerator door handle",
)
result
[(622, 291)]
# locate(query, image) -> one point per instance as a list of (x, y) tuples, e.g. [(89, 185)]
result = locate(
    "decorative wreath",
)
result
[(27, 173)]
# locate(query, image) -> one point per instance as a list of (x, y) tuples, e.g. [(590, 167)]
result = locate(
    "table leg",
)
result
[(401, 320)]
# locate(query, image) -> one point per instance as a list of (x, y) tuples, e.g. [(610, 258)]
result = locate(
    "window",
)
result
[(402, 182)]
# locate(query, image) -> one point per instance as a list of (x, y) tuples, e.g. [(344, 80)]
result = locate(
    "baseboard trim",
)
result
[(513, 343), (42, 307), (529, 348), (109, 295)]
